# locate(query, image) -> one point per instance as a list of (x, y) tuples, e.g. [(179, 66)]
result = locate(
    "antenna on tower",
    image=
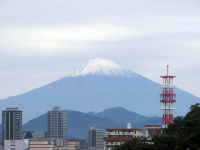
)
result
[(167, 69)]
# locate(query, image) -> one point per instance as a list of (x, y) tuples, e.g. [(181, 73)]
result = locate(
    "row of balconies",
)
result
[(121, 133), (113, 143)]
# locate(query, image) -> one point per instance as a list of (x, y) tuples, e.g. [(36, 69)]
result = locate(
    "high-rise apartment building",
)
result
[(96, 139), (11, 124), (57, 125)]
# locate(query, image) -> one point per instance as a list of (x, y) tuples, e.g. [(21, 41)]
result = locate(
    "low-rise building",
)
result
[(40, 145), (16, 144), (83, 144), (120, 136), (72, 145), (60, 148), (79, 144)]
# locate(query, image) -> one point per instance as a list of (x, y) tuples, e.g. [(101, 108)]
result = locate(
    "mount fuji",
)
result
[(97, 86), (103, 67)]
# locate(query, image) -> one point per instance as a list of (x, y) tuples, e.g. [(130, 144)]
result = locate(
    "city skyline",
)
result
[(38, 47)]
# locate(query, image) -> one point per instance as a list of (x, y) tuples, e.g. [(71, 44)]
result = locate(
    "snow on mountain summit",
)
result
[(101, 66)]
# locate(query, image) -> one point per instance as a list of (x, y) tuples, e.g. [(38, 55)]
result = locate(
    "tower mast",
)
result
[(167, 98)]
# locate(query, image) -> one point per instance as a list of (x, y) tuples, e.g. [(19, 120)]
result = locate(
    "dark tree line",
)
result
[(182, 134)]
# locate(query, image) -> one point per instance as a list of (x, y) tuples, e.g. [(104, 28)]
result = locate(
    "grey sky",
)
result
[(41, 41)]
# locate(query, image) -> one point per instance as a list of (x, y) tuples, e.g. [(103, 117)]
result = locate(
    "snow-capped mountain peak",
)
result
[(101, 66)]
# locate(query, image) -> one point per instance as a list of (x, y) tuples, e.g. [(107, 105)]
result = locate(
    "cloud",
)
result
[(58, 39), (141, 35)]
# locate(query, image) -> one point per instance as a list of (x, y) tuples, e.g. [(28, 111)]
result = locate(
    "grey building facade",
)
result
[(11, 124), (96, 139), (57, 125)]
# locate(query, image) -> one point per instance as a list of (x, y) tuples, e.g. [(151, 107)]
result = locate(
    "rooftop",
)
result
[(12, 109), (153, 126), (132, 129), (121, 138)]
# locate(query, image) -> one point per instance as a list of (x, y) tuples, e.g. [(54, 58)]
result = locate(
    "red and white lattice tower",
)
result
[(167, 98)]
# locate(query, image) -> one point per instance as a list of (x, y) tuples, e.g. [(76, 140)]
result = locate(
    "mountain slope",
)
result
[(96, 92)]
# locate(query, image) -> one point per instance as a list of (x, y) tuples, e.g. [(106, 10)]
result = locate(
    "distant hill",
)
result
[(99, 85), (122, 116), (78, 124)]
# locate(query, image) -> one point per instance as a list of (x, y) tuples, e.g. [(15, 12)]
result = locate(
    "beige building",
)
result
[(40, 145)]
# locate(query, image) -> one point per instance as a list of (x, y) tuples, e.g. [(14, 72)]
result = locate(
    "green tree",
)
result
[(134, 144), (192, 128), (129, 145), (187, 129), (167, 142), (182, 134), (177, 127)]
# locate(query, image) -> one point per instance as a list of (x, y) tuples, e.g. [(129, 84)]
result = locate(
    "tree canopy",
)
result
[(182, 134)]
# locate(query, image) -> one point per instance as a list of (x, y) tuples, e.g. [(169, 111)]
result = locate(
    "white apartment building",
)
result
[(120, 136)]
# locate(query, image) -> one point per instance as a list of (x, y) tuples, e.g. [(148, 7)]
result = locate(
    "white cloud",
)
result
[(59, 39)]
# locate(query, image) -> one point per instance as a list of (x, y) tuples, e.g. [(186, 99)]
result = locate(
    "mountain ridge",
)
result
[(79, 123), (98, 92)]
